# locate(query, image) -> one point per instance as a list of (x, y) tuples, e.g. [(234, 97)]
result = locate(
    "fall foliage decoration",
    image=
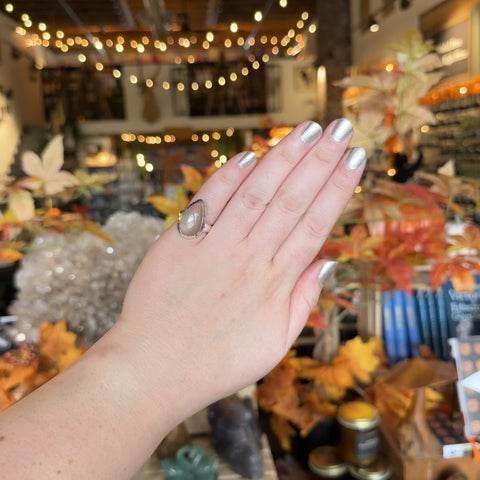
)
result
[(301, 391), (25, 368), (28, 201)]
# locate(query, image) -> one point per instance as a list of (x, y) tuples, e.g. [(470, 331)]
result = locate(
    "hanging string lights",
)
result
[(143, 49)]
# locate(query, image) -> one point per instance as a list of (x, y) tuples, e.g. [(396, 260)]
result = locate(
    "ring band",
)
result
[(192, 221)]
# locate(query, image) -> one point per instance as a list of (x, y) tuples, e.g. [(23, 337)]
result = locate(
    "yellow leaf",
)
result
[(360, 358), (193, 178), (94, 228)]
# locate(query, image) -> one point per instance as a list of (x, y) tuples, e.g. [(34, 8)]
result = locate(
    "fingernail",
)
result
[(343, 128), (326, 271), (312, 131), (355, 158), (246, 159)]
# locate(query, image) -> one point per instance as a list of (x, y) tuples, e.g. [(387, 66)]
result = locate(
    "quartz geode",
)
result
[(80, 277)]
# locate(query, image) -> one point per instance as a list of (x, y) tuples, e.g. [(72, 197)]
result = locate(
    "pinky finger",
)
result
[(305, 295)]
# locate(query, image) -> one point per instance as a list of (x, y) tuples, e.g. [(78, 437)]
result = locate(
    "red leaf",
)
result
[(316, 319)]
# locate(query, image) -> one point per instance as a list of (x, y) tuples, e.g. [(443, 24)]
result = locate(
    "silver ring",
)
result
[(192, 221)]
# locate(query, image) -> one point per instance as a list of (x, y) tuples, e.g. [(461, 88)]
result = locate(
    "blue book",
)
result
[(434, 323), (388, 328), (443, 324), (413, 327), (400, 325), (424, 319)]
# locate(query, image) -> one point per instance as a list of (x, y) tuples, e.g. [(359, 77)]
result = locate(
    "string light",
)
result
[(139, 45)]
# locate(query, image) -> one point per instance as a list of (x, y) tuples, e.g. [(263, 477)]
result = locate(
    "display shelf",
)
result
[(456, 135)]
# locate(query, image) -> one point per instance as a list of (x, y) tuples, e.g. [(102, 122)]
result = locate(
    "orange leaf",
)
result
[(58, 345), (10, 255), (316, 320), (283, 431)]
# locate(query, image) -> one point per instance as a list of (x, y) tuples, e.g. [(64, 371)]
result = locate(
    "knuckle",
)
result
[(325, 155), (253, 198), (289, 203), (289, 157), (314, 226)]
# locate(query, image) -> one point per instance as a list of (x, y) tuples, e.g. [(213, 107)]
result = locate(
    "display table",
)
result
[(152, 471)]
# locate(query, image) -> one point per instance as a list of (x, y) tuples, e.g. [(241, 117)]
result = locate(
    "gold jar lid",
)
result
[(325, 462), (357, 415), (379, 470)]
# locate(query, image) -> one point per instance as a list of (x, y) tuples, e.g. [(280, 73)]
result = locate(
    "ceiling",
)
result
[(97, 16)]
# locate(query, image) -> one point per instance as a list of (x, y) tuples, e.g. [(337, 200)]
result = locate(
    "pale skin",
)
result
[(202, 317)]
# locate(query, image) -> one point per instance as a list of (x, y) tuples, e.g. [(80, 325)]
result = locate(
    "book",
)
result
[(434, 323), (400, 325), (443, 324), (424, 319), (413, 328), (388, 328), (463, 310)]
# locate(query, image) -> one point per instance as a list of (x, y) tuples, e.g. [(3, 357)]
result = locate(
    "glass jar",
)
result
[(358, 422), (325, 462), (379, 470)]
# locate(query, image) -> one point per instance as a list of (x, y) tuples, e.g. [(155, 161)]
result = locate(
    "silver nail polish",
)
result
[(342, 129), (312, 131), (326, 271), (355, 158), (246, 159)]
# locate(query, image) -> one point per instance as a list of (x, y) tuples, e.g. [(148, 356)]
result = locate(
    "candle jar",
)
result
[(326, 464), (358, 422), (379, 470)]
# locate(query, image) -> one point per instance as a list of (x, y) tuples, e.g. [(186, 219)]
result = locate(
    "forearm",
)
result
[(100, 418)]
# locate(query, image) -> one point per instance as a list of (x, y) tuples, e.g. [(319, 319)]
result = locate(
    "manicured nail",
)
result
[(355, 158), (326, 271), (312, 131), (246, 159), (343, 128)]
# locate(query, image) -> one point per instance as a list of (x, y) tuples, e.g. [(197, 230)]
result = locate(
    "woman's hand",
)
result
[(228, 304), (203, 316)]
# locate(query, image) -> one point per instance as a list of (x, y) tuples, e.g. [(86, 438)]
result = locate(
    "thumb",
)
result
[(305, 295)]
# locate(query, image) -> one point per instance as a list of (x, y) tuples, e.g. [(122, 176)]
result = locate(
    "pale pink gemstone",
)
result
[(192, 219)]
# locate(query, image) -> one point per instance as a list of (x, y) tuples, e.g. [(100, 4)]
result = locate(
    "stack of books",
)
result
[(428, 318)]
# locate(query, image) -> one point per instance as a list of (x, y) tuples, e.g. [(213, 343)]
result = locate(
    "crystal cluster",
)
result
[(80, 277)]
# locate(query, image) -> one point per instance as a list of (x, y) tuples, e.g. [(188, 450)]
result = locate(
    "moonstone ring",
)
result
[(192, 221)]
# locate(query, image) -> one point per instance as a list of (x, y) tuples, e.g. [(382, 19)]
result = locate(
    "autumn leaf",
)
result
[(358, 245), (335, 379), (360, 357), (170, 207), (10, 251), (17, 367), (58, 345), (283, 430), (96, 229), (459, 268), (193, 178), (315, 319), (469, 240)]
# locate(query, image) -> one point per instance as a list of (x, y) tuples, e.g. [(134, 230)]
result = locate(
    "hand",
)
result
[(228, 304), (202, 317)]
